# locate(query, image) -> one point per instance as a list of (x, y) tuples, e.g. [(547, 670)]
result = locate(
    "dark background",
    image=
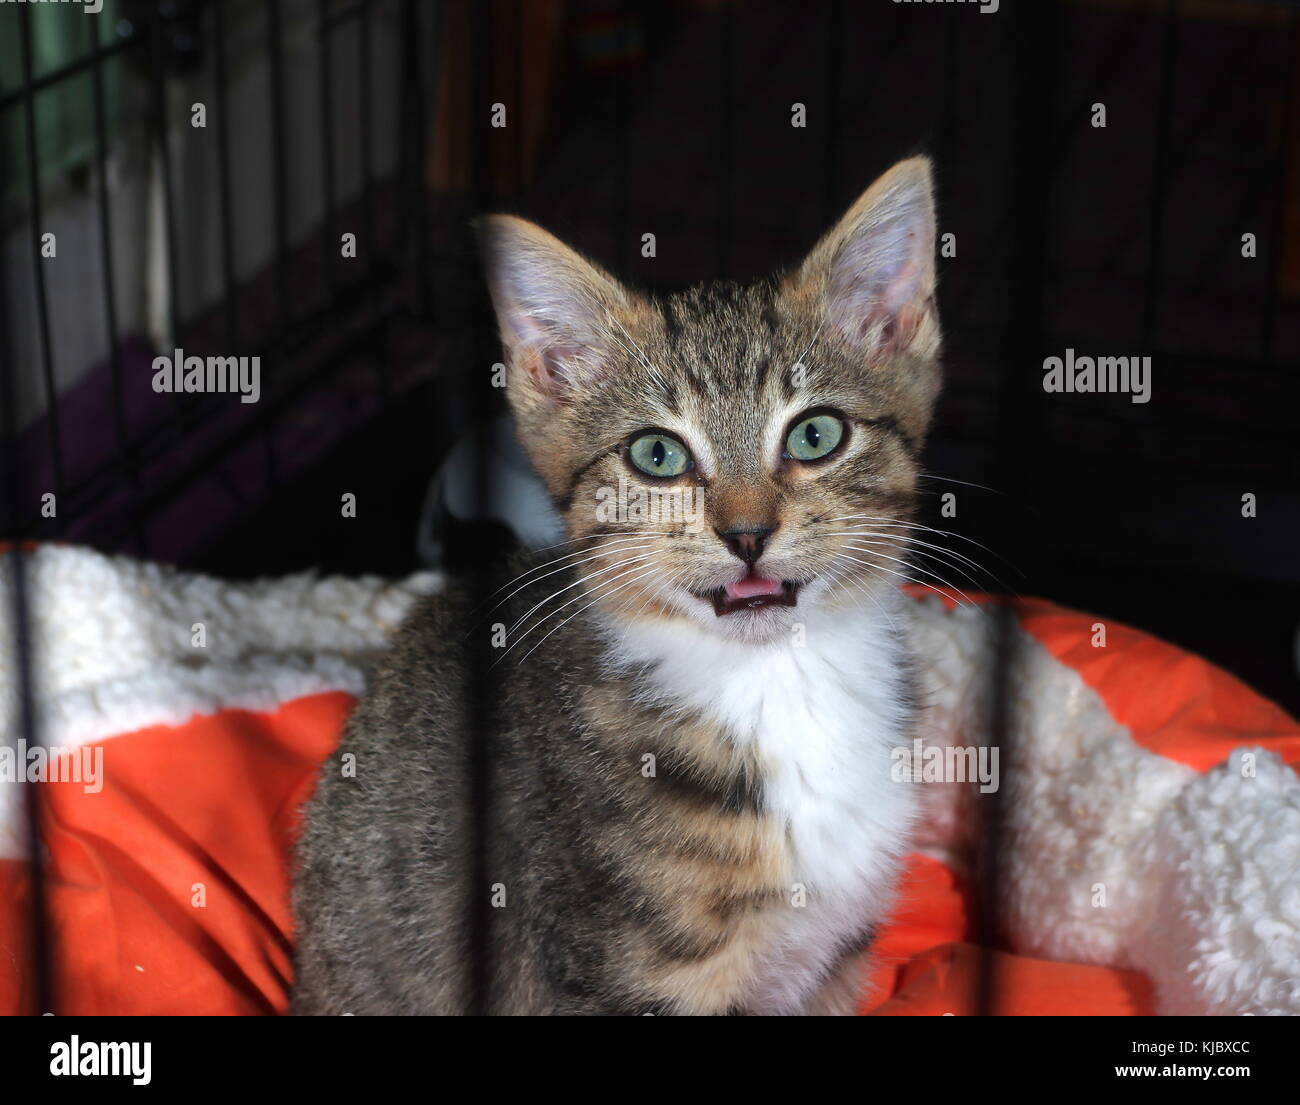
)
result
[(675, 118)]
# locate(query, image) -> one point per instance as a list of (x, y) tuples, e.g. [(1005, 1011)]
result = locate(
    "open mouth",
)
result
[(752, 593)]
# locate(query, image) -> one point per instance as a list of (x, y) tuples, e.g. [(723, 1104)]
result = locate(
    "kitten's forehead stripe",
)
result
[(716, 365), (725, 355), (672, 328), (788, 388), (697, 383)]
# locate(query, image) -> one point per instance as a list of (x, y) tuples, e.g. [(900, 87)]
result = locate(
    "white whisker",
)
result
[(867, 531), (618, 545), (642, 572), (878, 520), (920, 568), (904, 576), (578, 583)]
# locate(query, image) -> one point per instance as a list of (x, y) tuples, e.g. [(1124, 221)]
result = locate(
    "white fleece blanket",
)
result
[(1116, 855)]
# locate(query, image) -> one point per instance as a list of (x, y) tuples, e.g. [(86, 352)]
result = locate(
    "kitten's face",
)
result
[(734, 456)]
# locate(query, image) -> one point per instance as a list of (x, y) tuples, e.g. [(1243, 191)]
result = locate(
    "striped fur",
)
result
[(692, 813)]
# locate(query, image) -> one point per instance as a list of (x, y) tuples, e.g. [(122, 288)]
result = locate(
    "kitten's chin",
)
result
[(758, 625)]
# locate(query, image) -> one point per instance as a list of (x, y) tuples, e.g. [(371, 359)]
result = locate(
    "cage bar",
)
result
[(226, 201), (36, 222), (329, 237)]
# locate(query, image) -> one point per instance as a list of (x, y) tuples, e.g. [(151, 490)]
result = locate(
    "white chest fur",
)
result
[(823, 714)]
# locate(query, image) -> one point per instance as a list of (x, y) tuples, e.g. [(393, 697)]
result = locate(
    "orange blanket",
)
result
[(168, 888)]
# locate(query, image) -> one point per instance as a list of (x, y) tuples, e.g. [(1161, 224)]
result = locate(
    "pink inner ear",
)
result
[(543, 371), (553, 369), (877, 286), (899, 332), (894, 328)]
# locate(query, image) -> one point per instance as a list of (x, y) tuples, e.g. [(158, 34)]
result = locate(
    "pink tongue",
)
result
[(754, 585)]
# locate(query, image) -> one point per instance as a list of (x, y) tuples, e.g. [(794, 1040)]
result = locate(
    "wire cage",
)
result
[(264, 209), (291, 183), (255, 173)]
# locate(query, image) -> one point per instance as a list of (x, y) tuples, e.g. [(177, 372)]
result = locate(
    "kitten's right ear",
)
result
[(873, 273), (555, 309)]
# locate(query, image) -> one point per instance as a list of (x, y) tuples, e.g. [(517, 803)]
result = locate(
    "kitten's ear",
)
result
[(873, 273), (554, 308)]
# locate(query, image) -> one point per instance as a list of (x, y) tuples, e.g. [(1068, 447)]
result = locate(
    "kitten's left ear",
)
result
[(558, 313), (873, 273)]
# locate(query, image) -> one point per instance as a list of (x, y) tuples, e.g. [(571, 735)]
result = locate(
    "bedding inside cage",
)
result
[(1155, 825)]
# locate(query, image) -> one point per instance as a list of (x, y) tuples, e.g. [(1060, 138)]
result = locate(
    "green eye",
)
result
[(659, 455), (814, 437)]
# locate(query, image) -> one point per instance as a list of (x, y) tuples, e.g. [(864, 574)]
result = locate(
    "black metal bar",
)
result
[(279, 176), (418, 121), (621, 227), (948, 124), (437, 27), (1160, 185), (367, 136), (223, 180), (163, 137), (409, 179), (1035, 36), (726, 139), (1277, 252), (401, 240), (42, 939), (479, 695), (191, 404), (19, 613), (64, 72), (832, 109), (280, 204), (520, 144), (992, 817), (270, 463), (35, 222), (329, 239), (121, 433)]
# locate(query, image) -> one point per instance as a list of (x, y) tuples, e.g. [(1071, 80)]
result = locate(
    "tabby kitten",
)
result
[(694, 708)]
